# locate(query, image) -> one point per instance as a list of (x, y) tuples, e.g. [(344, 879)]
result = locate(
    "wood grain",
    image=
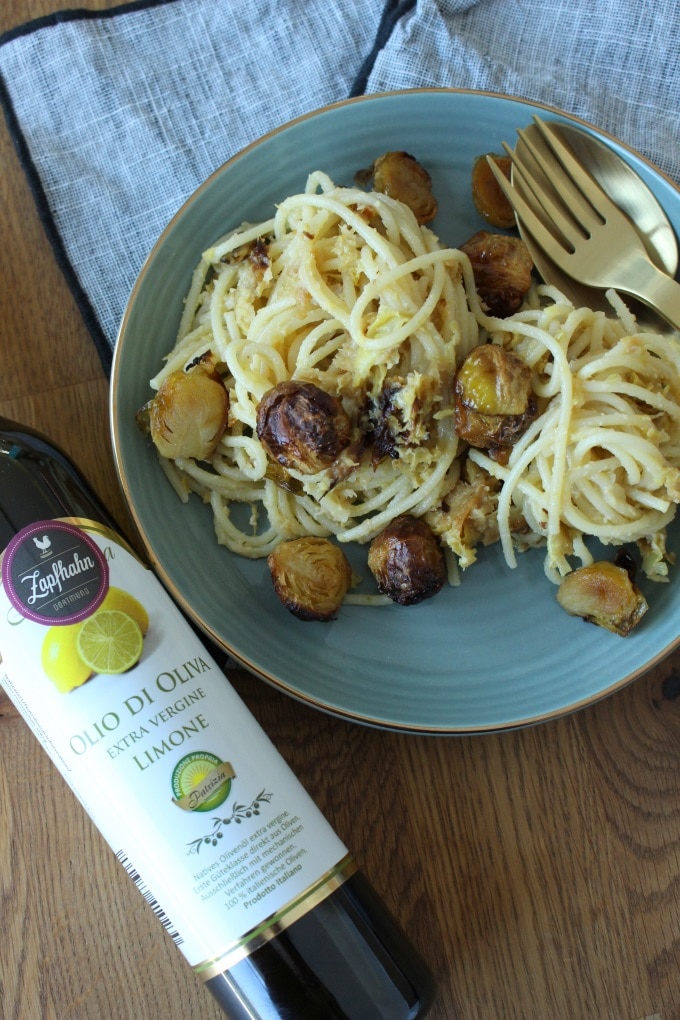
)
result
[(538, 871)]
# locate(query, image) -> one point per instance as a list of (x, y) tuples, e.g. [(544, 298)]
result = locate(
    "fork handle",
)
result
[(655, 289)]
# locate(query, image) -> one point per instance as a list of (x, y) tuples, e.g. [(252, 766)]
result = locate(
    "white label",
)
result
[(176, 773)]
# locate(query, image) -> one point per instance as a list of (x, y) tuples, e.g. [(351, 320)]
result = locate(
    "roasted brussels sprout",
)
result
[(494, 402), (407, 561), (189, 414), (605, 594), (311, 576), (302, 427), (400, 175), (502, 269), (490, 202)]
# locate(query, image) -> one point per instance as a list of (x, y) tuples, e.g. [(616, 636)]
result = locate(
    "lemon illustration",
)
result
[(61, 660), (110, 641), (116, 598)]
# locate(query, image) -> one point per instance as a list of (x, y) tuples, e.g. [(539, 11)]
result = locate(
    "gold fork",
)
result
[(577, 225)]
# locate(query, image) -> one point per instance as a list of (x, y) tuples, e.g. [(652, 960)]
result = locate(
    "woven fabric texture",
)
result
[(124, 116), (614, 63)]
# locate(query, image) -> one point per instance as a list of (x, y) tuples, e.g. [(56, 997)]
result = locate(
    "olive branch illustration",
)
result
[(239, 812)]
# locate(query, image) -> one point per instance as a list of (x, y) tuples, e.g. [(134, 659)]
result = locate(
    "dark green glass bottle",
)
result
[(344, 957)]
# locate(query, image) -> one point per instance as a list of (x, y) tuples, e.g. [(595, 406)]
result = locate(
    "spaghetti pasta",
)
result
[(342, 288), (603, 459)]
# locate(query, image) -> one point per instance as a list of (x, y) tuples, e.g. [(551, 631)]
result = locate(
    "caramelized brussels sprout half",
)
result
[(302, 427), (400, 175), (490, 202), (605, 594), (311, 576), (502, 269), (189, 414), (407, 561), (494, 402)]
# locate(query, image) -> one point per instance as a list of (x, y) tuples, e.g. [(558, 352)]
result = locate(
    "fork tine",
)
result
[(586, 184), (578, 208), (531, 220), (538, 194)]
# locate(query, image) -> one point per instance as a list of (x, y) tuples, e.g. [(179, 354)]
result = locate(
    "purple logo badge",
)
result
[(54, 573)]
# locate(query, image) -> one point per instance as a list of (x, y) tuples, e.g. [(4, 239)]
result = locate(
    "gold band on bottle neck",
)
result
[(272, 926)]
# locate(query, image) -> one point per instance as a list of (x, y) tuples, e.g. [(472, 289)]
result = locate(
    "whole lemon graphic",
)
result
[(124, 602), (61, 660)]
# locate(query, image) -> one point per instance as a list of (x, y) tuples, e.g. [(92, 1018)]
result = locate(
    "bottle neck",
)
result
[(39, 482)]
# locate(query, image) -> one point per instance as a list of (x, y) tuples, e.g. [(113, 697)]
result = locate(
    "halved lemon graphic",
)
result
[(116, 598), (110, 641), (190, 774)]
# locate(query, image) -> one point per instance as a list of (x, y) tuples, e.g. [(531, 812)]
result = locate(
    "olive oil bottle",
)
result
[(239, 865)]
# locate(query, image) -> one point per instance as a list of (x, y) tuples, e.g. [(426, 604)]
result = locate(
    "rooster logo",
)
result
[(43, 544)]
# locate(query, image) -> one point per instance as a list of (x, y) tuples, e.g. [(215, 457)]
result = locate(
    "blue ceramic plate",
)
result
[(494, 653)]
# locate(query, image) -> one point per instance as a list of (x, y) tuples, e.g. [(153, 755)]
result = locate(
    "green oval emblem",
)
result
[(201, 781)]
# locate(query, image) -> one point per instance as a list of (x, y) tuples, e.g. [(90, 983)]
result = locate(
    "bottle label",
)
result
[(182, 782)]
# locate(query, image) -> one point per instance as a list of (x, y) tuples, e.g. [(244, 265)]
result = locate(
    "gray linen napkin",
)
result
[(118, 116), (615, 63)]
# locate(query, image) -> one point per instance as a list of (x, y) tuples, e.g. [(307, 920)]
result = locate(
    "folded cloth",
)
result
[(614, 63), (119, 115)]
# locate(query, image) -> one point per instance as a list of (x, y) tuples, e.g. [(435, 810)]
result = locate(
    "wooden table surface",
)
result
[(537, 871)]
